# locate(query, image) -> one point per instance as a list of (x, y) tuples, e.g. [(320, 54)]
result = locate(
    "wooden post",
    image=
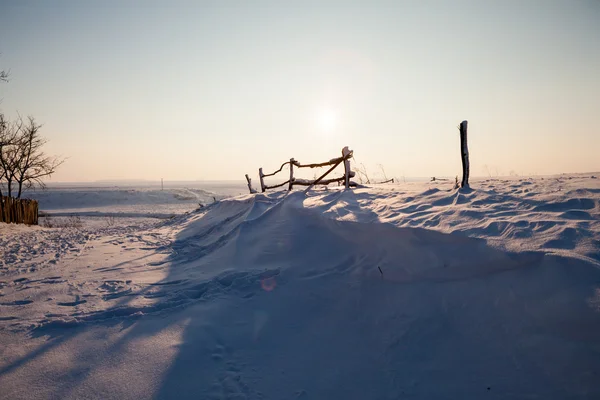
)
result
[(250, 184), (262, 180), (291, 174), (464, 153), (347, 173), (345, 153)]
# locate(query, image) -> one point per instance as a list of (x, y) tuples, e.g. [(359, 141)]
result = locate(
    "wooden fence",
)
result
[(18, 211), (345, 159)]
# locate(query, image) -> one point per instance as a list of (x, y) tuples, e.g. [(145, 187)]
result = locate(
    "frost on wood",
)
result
[(333, 163), (347, 153)]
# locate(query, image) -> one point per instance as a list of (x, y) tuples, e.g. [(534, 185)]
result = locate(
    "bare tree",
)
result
[(4, 139), (33, 165), (3, 78), (8, 139), (23, 164)]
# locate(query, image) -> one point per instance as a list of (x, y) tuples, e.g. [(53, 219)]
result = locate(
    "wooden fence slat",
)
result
[(305, 182), (18, 211), (279, 170), (278, 185), (323, 176)]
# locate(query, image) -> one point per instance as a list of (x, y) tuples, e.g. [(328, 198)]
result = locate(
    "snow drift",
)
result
[(408, 291)]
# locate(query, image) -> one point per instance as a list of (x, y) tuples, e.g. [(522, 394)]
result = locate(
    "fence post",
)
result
[(262, 180), (291, 174), (250, 184), (345, 153), (464, 154)]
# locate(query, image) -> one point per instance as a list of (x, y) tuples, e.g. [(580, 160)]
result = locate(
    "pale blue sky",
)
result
[(214, 90)]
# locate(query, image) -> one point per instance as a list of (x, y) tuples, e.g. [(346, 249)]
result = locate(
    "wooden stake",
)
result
[(464, 154), (250, 184), (346, 153), (291, 174), (347, 173), (262, 180)]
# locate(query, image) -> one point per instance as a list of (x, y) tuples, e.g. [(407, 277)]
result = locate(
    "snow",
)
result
[(413, 290), (122, 202)]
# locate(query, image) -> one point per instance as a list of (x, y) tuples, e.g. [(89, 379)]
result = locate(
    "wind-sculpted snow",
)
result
[(386, 292)]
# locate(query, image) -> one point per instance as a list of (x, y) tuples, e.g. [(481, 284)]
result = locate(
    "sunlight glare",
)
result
[(327, 120)]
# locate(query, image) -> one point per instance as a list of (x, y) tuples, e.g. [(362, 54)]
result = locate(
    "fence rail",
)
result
[(18, 211), (345, 159)]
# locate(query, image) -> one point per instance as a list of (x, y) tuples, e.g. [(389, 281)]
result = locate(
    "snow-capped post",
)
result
[(262, 180), (291, 174), (464, 153), (346, 154)]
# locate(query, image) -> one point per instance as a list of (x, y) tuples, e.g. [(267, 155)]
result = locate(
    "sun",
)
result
[(327, 120)]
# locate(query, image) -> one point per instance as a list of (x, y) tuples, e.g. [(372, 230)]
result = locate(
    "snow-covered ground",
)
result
[(408, 291), (136, 202)]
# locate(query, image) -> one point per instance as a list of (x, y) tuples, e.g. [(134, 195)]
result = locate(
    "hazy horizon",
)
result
[(210, 90), (375, 177)]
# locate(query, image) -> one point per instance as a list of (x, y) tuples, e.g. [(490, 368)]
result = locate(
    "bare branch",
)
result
[(23, 164), (4, 75)]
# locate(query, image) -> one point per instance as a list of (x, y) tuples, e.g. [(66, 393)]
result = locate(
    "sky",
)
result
[(212, 90)]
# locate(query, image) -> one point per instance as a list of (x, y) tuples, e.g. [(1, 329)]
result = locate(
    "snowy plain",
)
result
[(407, 291)]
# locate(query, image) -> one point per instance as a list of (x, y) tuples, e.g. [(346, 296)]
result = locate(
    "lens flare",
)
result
[(268, 284)]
